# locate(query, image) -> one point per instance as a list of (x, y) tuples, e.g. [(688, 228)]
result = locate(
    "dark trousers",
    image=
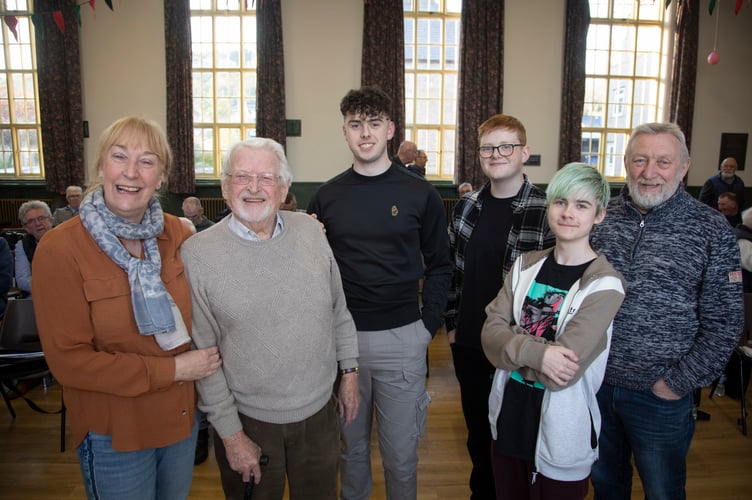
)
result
[(307, 452), (514, 481), (475, 373)]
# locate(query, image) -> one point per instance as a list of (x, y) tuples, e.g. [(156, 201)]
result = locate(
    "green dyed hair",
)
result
[(575, 178)]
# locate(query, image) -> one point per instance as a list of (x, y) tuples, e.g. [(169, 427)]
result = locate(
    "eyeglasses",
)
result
[(265, 179), (503, 149), (39, 220)]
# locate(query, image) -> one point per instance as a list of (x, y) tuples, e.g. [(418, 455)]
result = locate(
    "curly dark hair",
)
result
[(367, 100)]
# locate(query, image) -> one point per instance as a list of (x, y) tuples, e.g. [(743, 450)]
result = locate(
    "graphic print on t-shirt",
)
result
[(540, 310)]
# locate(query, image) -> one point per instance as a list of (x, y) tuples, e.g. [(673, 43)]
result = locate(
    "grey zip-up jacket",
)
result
[(570, 418)]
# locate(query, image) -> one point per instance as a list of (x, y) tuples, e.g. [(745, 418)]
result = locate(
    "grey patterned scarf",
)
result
[(152, 305)]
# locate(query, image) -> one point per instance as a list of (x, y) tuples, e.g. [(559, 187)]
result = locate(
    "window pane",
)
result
[(227, 40), (622, 50), (8, 162), (614, 155), (651, 11), (203, 150), (620, 104), (228, 98), (648, 57), (624, 9), (590, 148), (594, 112), (249, 97), (454, 6), (599, 9), (597, 54)]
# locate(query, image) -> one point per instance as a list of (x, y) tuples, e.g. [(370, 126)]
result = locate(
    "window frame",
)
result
[(441, 148), (22, 152), (603, 144), (213, 138)]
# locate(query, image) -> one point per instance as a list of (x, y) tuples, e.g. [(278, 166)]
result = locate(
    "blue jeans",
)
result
[(149, 474), (658, 432)]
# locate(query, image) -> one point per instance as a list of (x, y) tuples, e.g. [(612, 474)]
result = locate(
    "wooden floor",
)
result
[(31, 466)]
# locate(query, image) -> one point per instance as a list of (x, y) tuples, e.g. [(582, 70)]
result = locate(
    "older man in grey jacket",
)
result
[(680, 320)]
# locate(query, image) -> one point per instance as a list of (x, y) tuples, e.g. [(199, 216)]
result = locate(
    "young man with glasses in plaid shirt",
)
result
[(488, 230)]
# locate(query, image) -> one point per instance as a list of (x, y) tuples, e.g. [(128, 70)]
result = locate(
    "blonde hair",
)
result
[(130, 130)]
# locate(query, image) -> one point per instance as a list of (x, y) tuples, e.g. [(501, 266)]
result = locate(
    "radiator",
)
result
[(449, 204), (212, 207)]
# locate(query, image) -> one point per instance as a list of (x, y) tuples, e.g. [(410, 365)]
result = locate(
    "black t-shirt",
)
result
[(484, 267)]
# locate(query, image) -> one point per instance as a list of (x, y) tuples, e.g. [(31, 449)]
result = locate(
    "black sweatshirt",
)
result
[(383, 229)]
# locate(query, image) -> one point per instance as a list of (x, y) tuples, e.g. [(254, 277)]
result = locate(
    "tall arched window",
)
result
[(432, 38), (223, 34)]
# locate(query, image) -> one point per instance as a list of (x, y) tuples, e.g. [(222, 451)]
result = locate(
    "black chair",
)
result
[(21, 357)]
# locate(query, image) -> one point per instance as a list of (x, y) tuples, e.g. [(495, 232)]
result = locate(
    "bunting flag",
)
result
[(11, 22), (38, 20), (58, 17)]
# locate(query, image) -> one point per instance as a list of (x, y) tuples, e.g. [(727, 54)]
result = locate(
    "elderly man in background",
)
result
[(406, 153), (73, 195), (724, 181), (36, 218), (267, 291), (419, 165), (680, 319), (194, 212)]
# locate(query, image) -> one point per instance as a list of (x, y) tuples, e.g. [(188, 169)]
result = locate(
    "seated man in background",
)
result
[(406, 153), (194, 212), (419, 165), (464, 189), (36, 218), (729, 207), (724, 181), (73, 195)]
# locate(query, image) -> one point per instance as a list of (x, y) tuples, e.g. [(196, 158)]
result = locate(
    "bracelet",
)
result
[(345, 371)]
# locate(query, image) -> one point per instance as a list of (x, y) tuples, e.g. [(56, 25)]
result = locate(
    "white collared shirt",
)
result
[(241, 230)]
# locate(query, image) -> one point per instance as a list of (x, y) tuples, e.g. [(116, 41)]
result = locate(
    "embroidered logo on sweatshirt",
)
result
[(395, 212)]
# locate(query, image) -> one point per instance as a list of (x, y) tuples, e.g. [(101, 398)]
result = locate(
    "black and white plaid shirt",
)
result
[(529, 232)]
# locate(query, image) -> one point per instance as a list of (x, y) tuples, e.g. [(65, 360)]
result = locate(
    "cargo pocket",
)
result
[(421, 414)]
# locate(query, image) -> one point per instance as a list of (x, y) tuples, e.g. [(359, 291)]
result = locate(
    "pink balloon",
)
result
[(714, 58)]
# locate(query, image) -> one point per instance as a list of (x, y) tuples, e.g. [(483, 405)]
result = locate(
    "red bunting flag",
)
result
[(738, 7), (92, 3), (58, 17), (12, 22)]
